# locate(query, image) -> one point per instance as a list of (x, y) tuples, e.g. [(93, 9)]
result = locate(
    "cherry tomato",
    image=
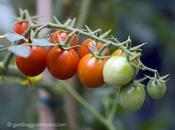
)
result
[(21, 27), (90, 71), (132, 97), (87, 44), (34, 64), (156, 89), (62, 64), (119, 52), (118, 71), (63, 35)]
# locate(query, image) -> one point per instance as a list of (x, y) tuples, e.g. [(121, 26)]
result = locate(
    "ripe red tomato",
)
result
[(62, 64), (87, 44), (34, 64), (90, 71), (63, 35), (21, 27)]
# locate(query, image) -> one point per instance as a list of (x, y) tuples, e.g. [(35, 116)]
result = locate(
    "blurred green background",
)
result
[(145, 21)]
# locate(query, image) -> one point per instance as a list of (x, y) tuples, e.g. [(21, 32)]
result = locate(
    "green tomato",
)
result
[(132, 96), (118, 71), (156, 89)]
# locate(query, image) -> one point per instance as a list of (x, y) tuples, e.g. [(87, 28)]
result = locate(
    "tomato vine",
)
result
[(95, 69)]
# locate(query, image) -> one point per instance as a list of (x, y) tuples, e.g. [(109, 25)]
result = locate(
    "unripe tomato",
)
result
[(62, 64), (87, 44), (119, 52), (34, 64), (132, 97), (21, 27), (90, 71), (118, 71), (63, 35), (156, 89)]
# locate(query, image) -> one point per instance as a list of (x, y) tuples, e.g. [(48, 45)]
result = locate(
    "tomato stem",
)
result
[(114, 106), (102, 50), (68, 48), (87, 106)]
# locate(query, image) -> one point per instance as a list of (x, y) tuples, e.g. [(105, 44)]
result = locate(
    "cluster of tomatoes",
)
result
[(63, 63), (93, 71)]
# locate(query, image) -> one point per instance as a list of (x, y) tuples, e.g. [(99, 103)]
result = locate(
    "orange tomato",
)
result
[(90, 71)]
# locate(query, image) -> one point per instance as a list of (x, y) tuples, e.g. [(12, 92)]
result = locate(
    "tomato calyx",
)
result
[(98, 54), (135, 83), (64, 38), (158, 78), (68, 48)]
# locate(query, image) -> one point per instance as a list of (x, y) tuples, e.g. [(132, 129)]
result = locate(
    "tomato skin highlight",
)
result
[(90, 71), (62, 64), (63, 35), (87, 44), (34, 64), (118, 71), (20, 27)]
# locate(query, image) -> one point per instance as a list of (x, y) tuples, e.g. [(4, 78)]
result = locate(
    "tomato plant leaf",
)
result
[(12, 37), (42, 42), (20, 50)]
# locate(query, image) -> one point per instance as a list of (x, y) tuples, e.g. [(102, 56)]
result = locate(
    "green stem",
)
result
[(83, 102), (82, 32), (87, 106), (101, 52), (143, 67), (12, 71), (113, 110), (7, 60)]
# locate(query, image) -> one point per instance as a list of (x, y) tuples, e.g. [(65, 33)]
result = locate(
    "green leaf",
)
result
[(20, 50), (12, 37), (42, 42)]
